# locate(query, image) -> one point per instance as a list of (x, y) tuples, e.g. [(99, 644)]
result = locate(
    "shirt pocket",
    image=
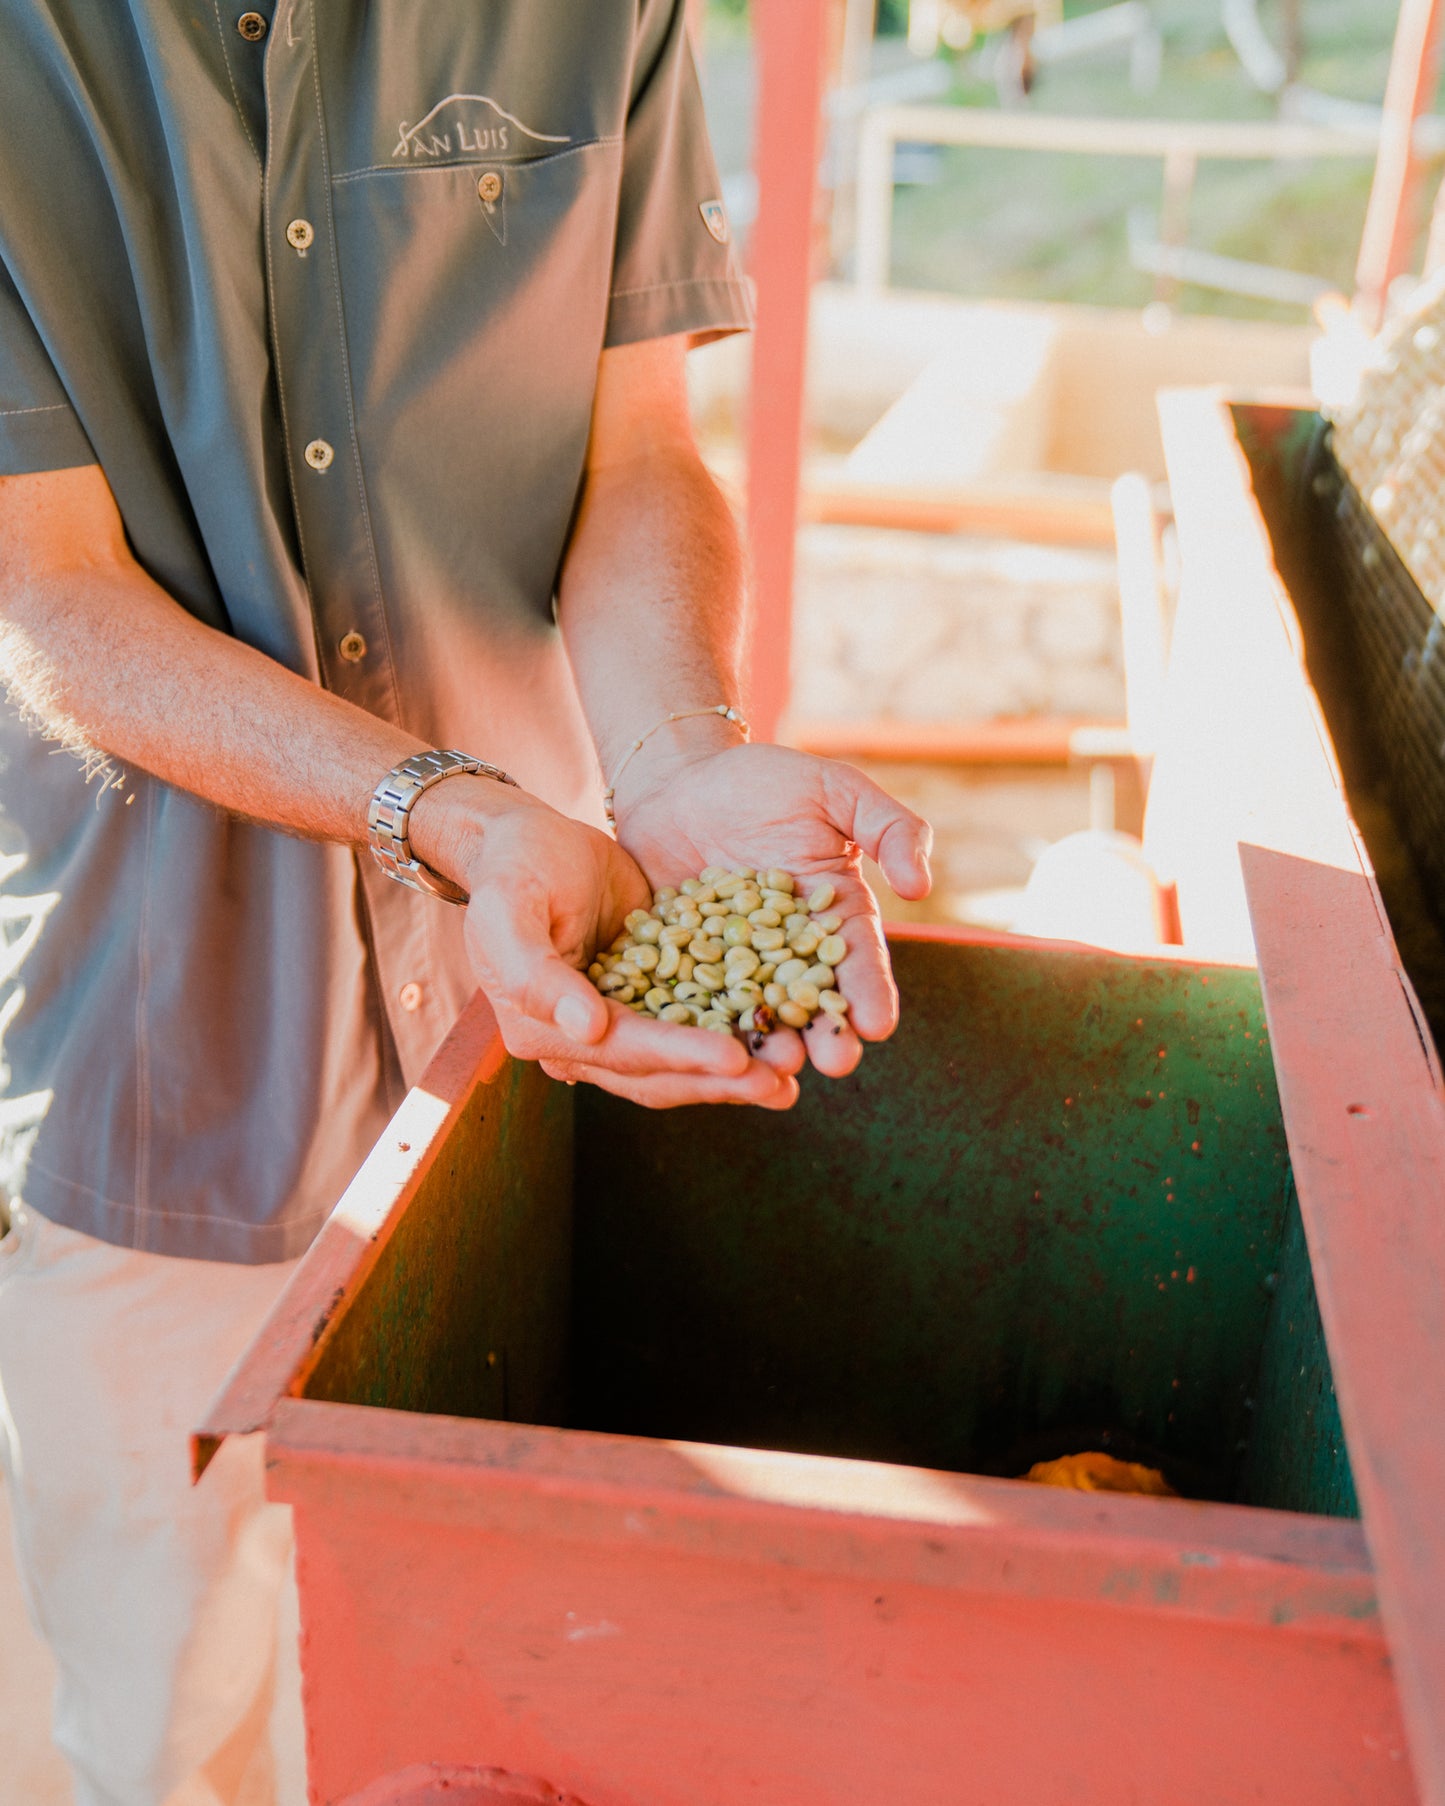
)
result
[(475, 298)]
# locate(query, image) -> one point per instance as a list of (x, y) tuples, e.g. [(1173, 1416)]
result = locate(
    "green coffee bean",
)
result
[(729, 950)]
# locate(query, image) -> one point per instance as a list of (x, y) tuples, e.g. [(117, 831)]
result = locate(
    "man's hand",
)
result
[(762, 806), (546, 892)]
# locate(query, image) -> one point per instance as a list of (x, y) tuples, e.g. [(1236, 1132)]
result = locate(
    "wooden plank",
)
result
[(816, 1513), (791, 39), (1030, 740), (1392, 219), (1248, 807), (678, 1623), (1366, 1125), (1243, 751), (354, 1235), (1047, 511)]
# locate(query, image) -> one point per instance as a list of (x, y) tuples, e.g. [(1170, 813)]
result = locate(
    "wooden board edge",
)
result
[(353, 1235), (972, 1534)]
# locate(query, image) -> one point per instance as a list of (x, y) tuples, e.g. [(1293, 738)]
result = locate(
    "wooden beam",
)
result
[(1031, 740), (791, 39), (1393, 217)]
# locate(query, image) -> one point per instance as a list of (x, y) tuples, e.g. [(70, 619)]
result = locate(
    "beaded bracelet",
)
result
[(726, 710)]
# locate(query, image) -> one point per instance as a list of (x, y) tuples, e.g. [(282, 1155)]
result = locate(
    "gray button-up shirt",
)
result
[(322, 286)]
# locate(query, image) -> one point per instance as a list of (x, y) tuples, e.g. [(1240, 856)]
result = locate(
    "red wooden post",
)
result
[(1393, 217), (791, 38)]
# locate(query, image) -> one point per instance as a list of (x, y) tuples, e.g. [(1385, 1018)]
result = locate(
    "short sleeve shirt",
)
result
[(322, 285)]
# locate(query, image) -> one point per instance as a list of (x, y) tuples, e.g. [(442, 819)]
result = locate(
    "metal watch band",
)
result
[(388, 818)]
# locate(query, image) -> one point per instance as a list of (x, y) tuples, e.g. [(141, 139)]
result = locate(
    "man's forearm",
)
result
[(98, 656), (652, 600)]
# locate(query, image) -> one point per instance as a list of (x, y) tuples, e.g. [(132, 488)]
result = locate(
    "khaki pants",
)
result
[(169, 1608)]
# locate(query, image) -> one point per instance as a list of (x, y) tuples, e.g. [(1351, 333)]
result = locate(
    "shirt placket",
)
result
[(309, 352)]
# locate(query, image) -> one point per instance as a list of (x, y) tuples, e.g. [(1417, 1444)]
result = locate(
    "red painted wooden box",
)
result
[(668, 1458)]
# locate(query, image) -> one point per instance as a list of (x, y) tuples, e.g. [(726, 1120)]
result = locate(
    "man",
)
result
[(342, 420)]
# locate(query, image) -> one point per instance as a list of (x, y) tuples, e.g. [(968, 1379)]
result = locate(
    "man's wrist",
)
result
[(450, 822), (669, 749)]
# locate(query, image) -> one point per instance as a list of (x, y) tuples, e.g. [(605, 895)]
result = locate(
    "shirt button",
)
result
[(409, 996), (319, 454), (490, 187), (252, 27), (352, 648), (299, 234)]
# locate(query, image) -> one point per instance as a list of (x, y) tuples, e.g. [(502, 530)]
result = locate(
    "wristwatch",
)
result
[(388, 818)]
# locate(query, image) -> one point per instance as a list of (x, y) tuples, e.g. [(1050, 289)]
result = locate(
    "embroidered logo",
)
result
[(715, 218), (467, 122)]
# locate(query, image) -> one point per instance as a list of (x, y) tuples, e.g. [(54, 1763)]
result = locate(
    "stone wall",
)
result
[(951, 628)]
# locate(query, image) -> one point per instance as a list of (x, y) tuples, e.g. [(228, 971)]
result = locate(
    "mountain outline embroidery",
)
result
[(437, 134)]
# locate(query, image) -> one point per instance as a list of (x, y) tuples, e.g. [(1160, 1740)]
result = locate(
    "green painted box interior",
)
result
[(1054, 1212)]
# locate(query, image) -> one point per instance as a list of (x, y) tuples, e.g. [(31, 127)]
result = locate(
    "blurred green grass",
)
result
[(1038, 226)]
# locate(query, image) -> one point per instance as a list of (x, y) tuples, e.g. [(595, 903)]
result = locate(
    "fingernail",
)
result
[(574, 1018)]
